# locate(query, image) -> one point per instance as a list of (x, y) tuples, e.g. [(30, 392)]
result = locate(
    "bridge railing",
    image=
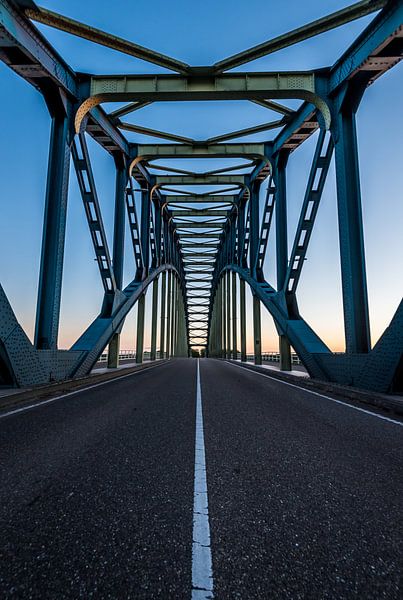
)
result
[(272, 357)]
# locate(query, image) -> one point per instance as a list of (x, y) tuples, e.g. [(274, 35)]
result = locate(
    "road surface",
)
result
[(100, 497)]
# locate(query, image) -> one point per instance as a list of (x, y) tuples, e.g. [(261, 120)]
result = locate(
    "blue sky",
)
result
[(201, 33)]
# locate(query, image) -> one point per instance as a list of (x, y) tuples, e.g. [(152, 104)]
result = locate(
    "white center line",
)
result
[(363, 410), (202, 568)]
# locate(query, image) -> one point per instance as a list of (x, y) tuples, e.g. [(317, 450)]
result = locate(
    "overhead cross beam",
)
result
[(275, 106), (129, 108), (25, 50), (58, 21), (336, 19), (252, 150), (200, 179), (201, 246), (201, 85), (155, 133), (202, 198), (199, 213), (248, 131)]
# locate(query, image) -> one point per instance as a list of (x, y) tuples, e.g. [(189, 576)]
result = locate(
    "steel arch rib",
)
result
[(302, 338), (97, 336)]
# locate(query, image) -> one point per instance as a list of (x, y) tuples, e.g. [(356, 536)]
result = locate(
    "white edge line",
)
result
[(202, 568), (367, 412), (90, 387)]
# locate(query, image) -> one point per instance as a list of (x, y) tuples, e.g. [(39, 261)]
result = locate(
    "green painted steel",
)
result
[(201, 243)]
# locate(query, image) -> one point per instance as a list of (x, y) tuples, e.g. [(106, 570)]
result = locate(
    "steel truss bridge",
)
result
[(203, 246)]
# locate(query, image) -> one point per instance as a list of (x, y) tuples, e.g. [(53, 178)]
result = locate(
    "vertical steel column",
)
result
[(242, 315), (162, 324), (141, 306), (218, 321), (157, 231), (145, 229), (53, 235), (173, 311), (254, 228), (229, 347), (257, 331), (352, 252), (113, 351), (118, 249), (179, 324), (219, 325), (219, 318), (182, 349), (154, 318), (211, 350), (169, 312), (212, 332), (241, 233), (234, 320), (176, 336), (224, 316), (282, 245)]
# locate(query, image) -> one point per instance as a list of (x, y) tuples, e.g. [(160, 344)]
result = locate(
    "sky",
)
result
[(200, 34)]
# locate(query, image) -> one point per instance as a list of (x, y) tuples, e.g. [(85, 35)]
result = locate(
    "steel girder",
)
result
[(27, 365), (376, 370), (53, 235), (101, 330), (295, 36), (238, 236), (308, 86), (48, 17), (25, 50), (197, 150)]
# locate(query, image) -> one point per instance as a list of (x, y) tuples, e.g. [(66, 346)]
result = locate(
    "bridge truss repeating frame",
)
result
[(201, 253)]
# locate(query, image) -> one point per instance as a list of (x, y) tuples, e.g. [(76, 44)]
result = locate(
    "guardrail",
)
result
[(266, 356), (126, 354), (274, 357)]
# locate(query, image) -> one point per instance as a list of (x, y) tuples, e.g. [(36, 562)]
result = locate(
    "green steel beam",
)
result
[(200, 150), (331, 21), (58, 21), (275, 106), (202, 236), (248, 165), (187, 246), (197, 255), (38, 57), (200, 180), (199, 225), (154, 133), (376, 50), (129, 108), (199, 213), (248, 131), (200, 87), (229, 86), (201, 268), (303, 124), (140, 328), (205, 199), (169, 169)]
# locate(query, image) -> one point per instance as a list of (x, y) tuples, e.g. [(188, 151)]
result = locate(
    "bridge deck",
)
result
[(97, 490)]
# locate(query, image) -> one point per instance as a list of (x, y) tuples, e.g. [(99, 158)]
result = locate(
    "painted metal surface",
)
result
[(202, 244)]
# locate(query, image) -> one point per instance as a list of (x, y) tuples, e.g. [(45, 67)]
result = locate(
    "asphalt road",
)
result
[(97, 491)]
